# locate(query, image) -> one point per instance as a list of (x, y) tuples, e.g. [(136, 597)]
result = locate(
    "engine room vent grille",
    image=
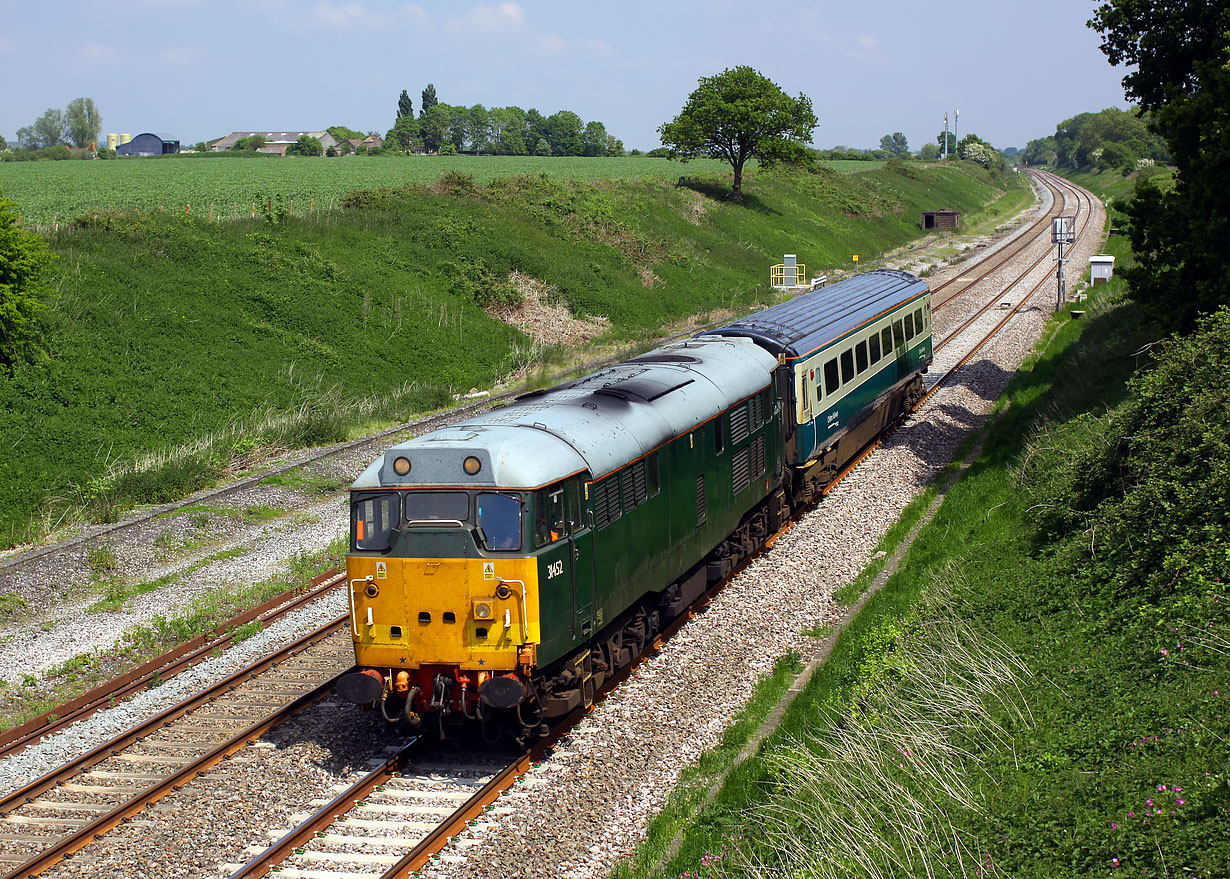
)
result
[(756, 408), (633, 487), (758, 461), (738, 425), (701, 512), (606, 502), (740, 464)]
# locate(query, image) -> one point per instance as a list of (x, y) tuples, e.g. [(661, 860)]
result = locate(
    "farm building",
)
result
[(148, 145), (276, 142)]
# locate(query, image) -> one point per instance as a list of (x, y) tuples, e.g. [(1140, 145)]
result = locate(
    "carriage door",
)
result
[(581, 539)]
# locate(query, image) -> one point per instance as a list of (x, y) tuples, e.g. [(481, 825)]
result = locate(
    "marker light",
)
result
[(401, 466), (472, 465)]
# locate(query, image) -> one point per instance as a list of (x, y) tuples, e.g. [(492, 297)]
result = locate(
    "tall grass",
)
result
[(926, 706)]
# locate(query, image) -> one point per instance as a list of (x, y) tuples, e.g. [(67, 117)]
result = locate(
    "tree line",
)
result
[(498, 131), (1109, 140), (79, 124)]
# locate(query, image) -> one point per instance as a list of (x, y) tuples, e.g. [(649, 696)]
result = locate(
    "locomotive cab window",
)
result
[(550, 516), (499, 520), (425, 507), (372, 520)]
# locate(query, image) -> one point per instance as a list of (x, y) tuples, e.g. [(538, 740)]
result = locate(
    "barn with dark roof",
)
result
[(148, 144)]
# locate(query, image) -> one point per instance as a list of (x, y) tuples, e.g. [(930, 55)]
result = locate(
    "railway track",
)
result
[(163, 667), (66, 809), (416, 791), (402, 797)]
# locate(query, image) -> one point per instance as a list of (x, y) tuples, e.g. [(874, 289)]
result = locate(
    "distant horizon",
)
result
[(196, 70)]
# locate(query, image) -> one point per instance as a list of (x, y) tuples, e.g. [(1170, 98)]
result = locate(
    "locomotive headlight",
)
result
[(482, 610), (401, 466), (472, 465)]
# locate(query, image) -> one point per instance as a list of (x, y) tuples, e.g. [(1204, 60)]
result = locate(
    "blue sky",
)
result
[(199, 69)]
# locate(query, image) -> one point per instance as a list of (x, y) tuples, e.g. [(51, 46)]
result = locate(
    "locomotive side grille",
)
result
[(639, 485), (758, 459), (738, 425), (741, 474), (606, 502), (625, 489), (701, 512), (756, 407)]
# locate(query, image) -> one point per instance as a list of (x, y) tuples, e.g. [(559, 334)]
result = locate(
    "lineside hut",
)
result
[(941, 219)]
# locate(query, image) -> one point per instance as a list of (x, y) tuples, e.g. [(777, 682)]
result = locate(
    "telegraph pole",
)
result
[(956, 127)]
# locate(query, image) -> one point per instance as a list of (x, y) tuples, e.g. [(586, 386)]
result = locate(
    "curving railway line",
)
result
[(394, 819)]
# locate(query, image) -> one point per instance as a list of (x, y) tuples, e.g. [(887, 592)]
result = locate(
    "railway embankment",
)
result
[(1039, 688), (180, 350)]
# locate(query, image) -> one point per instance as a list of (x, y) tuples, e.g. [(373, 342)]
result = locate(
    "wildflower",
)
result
[(1161, 787), (1180, 802), (1114, 826)]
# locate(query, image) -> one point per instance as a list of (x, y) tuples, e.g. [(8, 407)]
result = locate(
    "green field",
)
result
[(55, 192), (178, 349)]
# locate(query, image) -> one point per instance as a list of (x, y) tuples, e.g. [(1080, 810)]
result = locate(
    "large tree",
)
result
[(49, 129), (427, 100), (738, 115), (82, 121), (895, 143), (405, 106), (1180, 51)]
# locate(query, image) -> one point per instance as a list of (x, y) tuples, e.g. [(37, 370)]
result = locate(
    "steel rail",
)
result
[(1026, 239), (97, 828), (97, 754), (163, 667)]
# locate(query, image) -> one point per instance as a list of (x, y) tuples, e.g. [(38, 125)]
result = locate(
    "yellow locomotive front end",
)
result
[(443, 603)]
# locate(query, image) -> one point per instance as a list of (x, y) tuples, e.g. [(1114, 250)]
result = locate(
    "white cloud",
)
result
[(183, 57), (490, 17), (100, 53), (347, 15), (865, 48), (552, 44)]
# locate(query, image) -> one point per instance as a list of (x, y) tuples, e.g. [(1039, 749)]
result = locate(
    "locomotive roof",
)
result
[(812, 320), (597, 423)]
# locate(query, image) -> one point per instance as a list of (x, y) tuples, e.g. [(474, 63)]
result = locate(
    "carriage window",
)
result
[(874, 345), (918, 320), (499, 520), (847, 366), (424, 505), (860, 356), (927, 312), (373, 518), (898, 336), (831, 384), (886, 340)]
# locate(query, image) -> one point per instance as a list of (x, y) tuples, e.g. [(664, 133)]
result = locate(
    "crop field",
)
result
[(48, 193)]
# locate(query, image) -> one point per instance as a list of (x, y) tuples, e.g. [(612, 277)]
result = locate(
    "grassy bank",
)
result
[(180, 349), (1040, 690)]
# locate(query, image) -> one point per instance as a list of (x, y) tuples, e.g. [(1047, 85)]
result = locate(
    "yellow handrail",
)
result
[(777, 276)]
